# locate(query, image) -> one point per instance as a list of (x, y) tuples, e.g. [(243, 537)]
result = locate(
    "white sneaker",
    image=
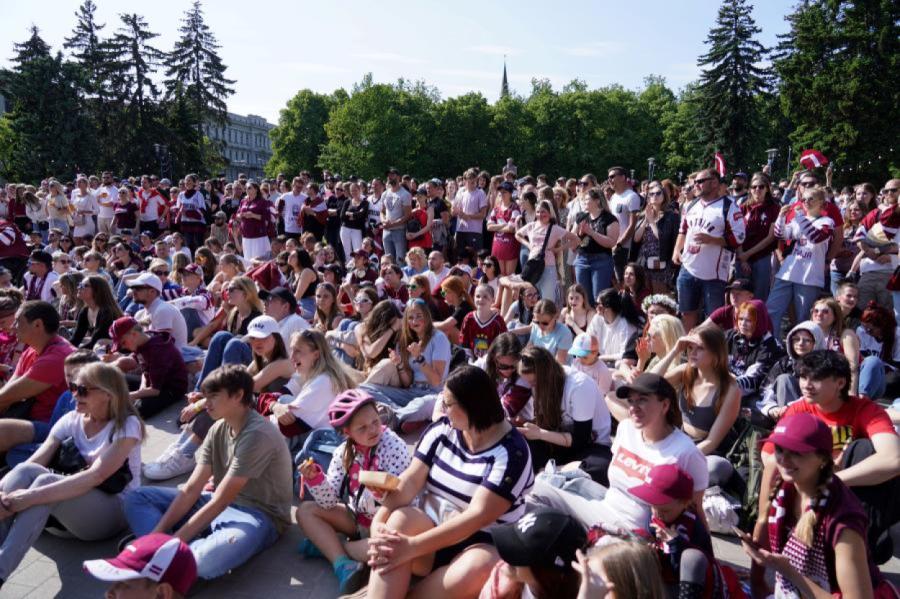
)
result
[(170, 464)]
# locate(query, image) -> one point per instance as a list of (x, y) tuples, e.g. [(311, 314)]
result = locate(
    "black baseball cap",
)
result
[(648, 382), (741, 284), (393, 171), (507, 186), (281, 293), (422, 191), (544, 537)]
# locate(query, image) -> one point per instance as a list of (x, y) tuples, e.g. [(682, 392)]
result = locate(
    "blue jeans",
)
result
[(307, 309), (694, 293), (233, 537), (394, 242), (396, 397), (761, 277), (871, 378), (782, 295), (224, 348), (594, 272)]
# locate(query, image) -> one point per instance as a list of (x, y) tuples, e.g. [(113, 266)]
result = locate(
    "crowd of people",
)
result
[(584, 369)]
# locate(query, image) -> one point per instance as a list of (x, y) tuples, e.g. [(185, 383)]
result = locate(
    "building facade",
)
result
[(245, 144)]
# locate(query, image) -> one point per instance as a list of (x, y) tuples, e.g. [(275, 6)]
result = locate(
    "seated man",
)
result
[(866, 446), (164, 378), (156, 565), (37, 381), (252, 472), (23, 437), (160, 316)]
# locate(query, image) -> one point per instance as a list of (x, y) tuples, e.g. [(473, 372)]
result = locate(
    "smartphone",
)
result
[(745, 537)]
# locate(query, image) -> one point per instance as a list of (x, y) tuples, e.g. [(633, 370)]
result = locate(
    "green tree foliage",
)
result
[(730, 83), (300, 134), (839, 71), (88, 53)]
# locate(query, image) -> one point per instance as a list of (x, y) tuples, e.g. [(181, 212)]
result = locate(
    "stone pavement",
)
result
[(53, 567)]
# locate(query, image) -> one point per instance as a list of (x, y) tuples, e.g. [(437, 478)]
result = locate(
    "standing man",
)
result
[(470, 207), (107, 196), (375, 204), (291, 204), (712, 228), (396, 206), (739, 192), (153, 207), (624, 204)]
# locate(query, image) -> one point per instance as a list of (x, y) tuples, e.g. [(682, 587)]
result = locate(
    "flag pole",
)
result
[(789, 166)]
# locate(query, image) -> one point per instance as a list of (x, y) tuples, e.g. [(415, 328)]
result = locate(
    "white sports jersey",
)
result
[(708, 261), (806, 263)]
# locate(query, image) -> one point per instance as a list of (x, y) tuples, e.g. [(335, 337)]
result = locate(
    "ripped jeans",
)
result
[(233, 537)]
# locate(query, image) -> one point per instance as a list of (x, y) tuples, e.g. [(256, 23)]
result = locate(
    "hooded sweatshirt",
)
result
[(750, 359), (786, 365)]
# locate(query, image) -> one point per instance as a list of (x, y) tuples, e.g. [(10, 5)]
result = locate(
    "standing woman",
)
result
[(657, 232), (598, 230), (58, 208), (354, 215), (36, 211), (99, 312), (844, 263), (191, 206), (254, 217), (303, 281), (419, 234), (440, 210), (106, 432), (502, 223), (709, 397), (527, 206), (755, 255), (544, 234), (85, 206)]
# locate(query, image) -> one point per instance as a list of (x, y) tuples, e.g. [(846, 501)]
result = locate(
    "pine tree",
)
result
[(195, 69), (504, 85), (87, 49), (730, 81)]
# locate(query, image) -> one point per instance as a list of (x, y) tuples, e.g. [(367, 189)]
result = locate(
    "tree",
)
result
[(683, 148), (463, 128), (730, 81), (839, 69), (300, 134), (195, 69), (87, 49)]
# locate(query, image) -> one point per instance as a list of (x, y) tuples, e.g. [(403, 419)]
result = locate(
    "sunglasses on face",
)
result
[(531, 295), (412, 286), (81, 390), (757, 187), (544, 323), (506, 367), (161, 273), (807, 183), (84, 285), (655, 194), (362, 300), (702, 181), (233, 289)]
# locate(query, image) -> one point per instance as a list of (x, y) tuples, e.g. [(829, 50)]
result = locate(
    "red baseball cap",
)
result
[(803, 433), (118, 329), (665, 483), (157, 557)]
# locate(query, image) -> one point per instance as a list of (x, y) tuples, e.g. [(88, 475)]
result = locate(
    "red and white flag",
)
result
[(813, 159), (720, 164)]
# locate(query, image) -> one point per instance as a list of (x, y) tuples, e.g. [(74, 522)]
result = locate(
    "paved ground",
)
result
[(53, 567)]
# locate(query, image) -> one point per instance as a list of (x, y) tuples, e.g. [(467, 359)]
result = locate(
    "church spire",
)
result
[(504, 87)]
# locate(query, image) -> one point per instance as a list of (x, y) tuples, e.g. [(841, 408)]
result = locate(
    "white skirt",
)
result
[(258, 247)]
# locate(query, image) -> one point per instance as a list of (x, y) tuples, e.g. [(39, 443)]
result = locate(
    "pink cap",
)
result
[(665, 483), (157, 557), (803, 433)]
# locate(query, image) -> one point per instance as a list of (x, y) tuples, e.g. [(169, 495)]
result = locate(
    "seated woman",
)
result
[(501, 363), (345, 340), (99, 312), (827, 313), (230, 266), (420, 288), (649, 434), (303, 281), (663, 332), (547, 332), (879, 346), (752, 350), (616, 325), (709, 397), (104, 432), (328, 311), (376, 335), (480, 327), (816, 534), (521, 312), (475, 452), (422, 360), (566, 420), (456, 294), (781, 386), (242, 305), (577, 313)]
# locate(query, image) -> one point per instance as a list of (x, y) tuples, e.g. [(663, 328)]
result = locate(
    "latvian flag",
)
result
[(720, 163), (813, 159)]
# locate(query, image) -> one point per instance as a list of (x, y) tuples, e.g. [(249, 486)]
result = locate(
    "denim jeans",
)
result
[(395, 244), (871, 378), (761, 277), (192, 320), (782, 295), (61, 224), (224, 348), (396, 397), (307, 309), (548, 284), (233, 537), (594, 272), (694, 293)]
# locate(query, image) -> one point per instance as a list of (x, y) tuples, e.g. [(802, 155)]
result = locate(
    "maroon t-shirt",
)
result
[(758, 219), (162, 364)]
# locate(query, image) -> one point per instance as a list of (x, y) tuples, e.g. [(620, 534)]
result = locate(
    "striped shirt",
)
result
[(455, 473)]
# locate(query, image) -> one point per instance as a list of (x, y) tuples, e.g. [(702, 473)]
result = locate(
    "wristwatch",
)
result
[(419, 360)]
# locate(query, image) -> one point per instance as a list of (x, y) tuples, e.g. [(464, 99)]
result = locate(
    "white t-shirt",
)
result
[(633, 458), (293, 204), (150, 202), (290, 324), (374, 210), (613, 337), (581, 400), (47, 292), (163, 316), (83, 203), (393, 203), (91, 448), (434, 278), (622, 205), (806, 263), (470, 202), (107, 194), (870, 346), (707, 261), (309, 404)]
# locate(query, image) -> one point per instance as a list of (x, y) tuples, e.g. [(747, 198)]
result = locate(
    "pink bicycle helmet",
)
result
[(345, 405)]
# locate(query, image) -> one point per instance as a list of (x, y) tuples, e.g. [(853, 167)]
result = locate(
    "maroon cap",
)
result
[(157, 557), (665, 483), (193, 268), (803, 433), (118, 329)]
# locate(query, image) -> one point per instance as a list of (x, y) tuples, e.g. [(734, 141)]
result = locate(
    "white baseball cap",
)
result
[(146, 279), (262, 327)]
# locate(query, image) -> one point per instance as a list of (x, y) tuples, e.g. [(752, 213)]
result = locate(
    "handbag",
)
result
[(68, 460), (534, 267)]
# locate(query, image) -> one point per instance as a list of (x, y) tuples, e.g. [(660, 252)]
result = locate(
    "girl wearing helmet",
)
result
[(341, 504)]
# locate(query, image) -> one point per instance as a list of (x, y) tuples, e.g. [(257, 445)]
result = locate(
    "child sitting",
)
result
[(681, 538), (586, 351), (342, 504)]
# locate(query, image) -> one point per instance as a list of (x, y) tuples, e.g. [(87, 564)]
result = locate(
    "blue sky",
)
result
[(275, 47)]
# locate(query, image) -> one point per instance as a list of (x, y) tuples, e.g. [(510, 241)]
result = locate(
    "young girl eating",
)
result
[(342, 505)]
